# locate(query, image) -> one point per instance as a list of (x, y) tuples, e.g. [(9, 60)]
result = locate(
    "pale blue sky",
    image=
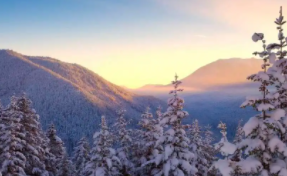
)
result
[(129, 42)]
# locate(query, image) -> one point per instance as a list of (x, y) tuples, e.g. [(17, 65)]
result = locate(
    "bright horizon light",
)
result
[(134, 43)]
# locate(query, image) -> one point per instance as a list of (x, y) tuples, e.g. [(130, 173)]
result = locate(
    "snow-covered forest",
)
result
[(162, 145)]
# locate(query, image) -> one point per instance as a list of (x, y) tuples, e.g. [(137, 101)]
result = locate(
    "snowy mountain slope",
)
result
[(69, 95), (221, 74)]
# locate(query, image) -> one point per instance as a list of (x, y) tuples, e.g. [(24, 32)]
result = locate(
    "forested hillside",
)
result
[(69, 95)]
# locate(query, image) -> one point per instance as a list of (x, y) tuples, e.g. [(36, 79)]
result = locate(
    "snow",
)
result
[(158, 159), (168, 151), (276, 144), (252, 123), (224, 167), (249, 100), (174, 161), (279, 76), (58, 139), (100, 171), (251, 144), (284, 85), (277, 166), (264, 107), (283, 172), (109, 162), (227, 147), (166, 168), (284, 121), (276, 123), (276, 95), (264, 173), (272, 46), (249, 165), (186, 165), (272, 57), (263, 76), (277, 114)]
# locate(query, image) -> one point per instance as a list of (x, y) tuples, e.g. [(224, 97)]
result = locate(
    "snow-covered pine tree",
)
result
[(56, 148), (278, 73), (123, 141), (66, 167), (136, 150), (224, 146), (263, 143), (209, 150), (197, 147), (149, 134), (12, 140), (159, 113), (148, 138), (55, 142), (175, 159), (81, 156), (239, 135), (34, 153), (224, 166), (49, 157), (104, 161)]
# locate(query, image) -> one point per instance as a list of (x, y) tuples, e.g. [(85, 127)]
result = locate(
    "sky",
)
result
[(137, 42)]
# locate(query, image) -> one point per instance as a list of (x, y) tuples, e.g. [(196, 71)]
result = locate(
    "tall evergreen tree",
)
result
[(104, 161), (237, 139), (49, 157), (263, 144), (227, 149), (66, 167), (224, 146), (239, 133), (276, 55), (34, 153), (135, 151), (209, 150), (159, 113), (149, 134), (81, 155), (175, 159), (198, 148), (56, 148), (123, 140), (12, 158)]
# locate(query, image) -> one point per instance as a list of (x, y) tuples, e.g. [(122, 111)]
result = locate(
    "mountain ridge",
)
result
[(68, 95), (217, 74)]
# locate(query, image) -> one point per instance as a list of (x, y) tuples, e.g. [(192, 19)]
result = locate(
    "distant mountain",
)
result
[(223, 73), (69, 95)]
